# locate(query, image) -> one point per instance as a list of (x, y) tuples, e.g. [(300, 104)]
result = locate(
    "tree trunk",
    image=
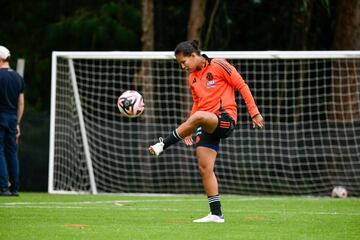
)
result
[(147, 38), (194, 29), (347, 31), (143, 81), (196, 20), (345, 105), (143, 78)]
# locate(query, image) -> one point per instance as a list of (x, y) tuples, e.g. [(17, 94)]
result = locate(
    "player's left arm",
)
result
[(258, 121), (234, 78)]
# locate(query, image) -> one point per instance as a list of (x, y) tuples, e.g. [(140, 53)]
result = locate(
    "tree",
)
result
[(196, 19), (345, 105), (147, 38), (347, 30), (194, 30), (143, 78)]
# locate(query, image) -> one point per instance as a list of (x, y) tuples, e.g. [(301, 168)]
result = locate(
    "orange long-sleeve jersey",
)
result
[(213, 89)]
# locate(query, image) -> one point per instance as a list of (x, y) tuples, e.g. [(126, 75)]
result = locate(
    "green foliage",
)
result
[(64, 25), (271, 25), (324, 3), (112, 27)]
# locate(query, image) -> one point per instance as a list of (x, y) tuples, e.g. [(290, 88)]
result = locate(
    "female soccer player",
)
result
[(213, 116)]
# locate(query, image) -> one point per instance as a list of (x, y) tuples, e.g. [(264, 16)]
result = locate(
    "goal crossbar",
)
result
[(222, 54)]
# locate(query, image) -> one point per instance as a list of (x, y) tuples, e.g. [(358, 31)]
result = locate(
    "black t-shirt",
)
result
[(11, 85)]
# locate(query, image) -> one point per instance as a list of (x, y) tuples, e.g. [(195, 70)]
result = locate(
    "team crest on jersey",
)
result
[(209, 76), (210, 84)]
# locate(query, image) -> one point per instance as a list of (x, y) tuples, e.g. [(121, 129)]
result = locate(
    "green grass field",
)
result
[(44, 216)]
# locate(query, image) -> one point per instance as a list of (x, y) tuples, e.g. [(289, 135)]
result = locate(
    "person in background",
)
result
[(11, 112), (212, 82)]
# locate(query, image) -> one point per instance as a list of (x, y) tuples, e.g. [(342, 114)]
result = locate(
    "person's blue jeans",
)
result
[(9, 164)]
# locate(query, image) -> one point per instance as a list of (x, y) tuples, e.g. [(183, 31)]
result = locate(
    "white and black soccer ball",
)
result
[(339, 192), (131, 104)]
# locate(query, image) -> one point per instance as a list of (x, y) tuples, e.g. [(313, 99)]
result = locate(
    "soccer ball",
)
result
[(339, 192), (131, 104)]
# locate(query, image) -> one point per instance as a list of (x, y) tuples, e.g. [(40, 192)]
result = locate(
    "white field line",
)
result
[(285, 212), (121, 203), (56, 203), (245, 199), (45, 207)]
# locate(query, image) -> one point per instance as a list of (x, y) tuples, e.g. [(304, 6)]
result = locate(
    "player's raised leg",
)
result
[(208, 121)]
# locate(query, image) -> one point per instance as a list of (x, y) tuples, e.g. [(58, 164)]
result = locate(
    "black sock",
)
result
[(215, 205), (171, 139)]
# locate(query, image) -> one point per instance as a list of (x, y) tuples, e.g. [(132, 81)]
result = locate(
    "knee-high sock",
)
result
[(171, 139), (215, 205)]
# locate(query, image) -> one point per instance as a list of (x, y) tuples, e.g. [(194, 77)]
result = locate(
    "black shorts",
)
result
[(223, 130)]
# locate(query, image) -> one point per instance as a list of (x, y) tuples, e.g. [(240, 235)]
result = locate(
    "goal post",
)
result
[(311, 141)]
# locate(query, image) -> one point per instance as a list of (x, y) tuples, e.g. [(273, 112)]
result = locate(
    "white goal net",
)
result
[(311, 141)]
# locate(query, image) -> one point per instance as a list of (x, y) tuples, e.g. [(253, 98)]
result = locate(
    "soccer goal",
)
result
[(310, 143)]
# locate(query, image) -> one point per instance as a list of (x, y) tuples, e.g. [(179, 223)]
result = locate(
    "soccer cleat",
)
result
[(5, 193), (15, 193), (211, 218), (157, 148)]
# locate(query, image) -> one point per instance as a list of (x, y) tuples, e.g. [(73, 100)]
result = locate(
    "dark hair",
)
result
[(187, 48)]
